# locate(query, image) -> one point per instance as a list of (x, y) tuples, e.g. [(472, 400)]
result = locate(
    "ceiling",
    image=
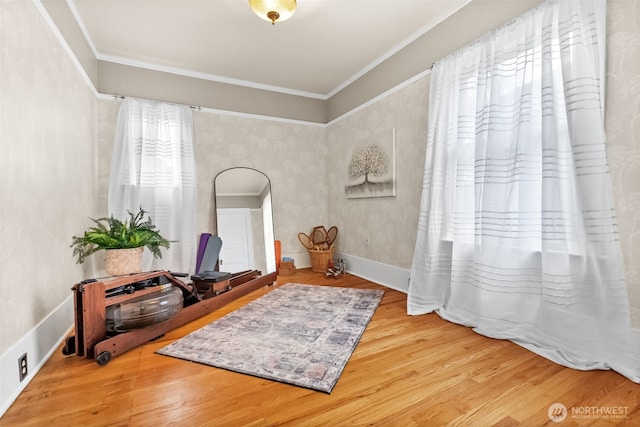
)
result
[(326, 45)]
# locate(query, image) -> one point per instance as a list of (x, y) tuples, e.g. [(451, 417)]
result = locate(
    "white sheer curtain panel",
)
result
[(517, 235), (153, 167)]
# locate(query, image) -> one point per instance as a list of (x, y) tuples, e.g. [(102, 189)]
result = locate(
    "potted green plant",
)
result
[(123, 242)]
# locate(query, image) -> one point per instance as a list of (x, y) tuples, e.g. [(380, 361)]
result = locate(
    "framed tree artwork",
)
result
[(371, 167)]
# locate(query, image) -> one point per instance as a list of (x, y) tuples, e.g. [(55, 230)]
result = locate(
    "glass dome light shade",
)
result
[(273, 10)]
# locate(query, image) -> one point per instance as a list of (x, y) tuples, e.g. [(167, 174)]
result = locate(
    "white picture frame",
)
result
[(371, 167)]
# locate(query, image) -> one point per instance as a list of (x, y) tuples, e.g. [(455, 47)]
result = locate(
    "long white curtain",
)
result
[(517, 234), (153, 167)]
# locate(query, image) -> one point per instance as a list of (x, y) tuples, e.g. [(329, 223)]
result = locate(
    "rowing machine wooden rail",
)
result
[(92, 297)]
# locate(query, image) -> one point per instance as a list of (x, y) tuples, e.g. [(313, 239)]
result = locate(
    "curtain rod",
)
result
[(193, 107)]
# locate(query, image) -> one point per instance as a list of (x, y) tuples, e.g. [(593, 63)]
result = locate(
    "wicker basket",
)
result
[(320, 259)]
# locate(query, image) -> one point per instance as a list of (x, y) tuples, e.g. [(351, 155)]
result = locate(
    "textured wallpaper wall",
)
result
[(47, 185), (622, 123), (388, 224), (293, 156)]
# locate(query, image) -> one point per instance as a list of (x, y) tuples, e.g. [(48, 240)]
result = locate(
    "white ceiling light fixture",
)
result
[(273, 10)]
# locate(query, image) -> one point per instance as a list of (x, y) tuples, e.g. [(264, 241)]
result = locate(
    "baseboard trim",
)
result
[(383, 274), (39, 344)]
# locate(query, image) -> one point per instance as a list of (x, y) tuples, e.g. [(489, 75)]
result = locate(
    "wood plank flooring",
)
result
[(406, 371)]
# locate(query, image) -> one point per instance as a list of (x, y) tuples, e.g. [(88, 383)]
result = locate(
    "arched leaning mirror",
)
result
[(244, 220)]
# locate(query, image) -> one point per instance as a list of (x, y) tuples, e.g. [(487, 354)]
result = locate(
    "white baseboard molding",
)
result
[(39, 344), (383, 274)]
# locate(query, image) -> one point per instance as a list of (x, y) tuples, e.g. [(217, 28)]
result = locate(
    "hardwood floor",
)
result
[(406, 371)]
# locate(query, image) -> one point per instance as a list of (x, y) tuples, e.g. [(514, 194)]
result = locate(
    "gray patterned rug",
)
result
[(296, 334)]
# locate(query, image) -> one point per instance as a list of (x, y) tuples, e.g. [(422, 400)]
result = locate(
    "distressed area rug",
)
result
[(296, 334)]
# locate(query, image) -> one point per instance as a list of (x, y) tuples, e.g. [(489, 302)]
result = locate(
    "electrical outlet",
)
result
[(366, 241), (23, 367)]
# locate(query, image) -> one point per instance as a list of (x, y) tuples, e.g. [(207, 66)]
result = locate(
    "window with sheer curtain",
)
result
[(517, 234), (153, 167)]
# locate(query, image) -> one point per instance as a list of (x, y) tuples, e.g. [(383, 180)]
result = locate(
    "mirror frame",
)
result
[(268, 223)]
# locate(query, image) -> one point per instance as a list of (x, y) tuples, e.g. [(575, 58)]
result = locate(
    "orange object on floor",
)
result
[(278, 247)]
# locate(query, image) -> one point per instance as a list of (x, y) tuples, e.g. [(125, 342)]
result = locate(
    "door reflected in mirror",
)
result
[(244, 220)]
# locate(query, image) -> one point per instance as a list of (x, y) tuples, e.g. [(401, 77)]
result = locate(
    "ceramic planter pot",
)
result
[(123, 261)]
